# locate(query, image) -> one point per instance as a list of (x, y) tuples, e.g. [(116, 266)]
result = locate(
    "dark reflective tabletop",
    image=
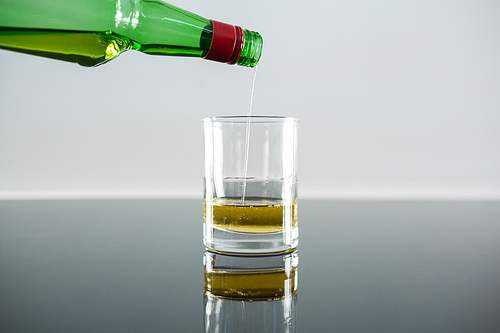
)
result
[(137, 266)]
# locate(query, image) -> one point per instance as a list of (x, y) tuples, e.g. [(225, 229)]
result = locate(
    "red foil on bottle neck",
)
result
[(227, 43)]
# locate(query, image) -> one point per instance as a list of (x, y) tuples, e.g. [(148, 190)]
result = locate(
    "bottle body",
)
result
[(91, 32)]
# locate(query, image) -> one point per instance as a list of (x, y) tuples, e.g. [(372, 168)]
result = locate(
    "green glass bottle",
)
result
[(92, 32)]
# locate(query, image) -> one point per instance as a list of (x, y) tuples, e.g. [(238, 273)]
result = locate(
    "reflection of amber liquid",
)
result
[(255, 216), (252, 285)]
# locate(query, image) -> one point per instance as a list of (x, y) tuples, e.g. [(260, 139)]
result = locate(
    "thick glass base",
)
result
[(226, 241)]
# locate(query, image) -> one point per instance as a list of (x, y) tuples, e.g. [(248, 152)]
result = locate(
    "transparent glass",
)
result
[(250, 293), (251, 196)]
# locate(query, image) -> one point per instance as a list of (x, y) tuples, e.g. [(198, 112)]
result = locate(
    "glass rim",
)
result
[(252, 119)]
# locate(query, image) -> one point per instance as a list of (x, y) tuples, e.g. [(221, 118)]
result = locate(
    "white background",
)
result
[(397, 99)]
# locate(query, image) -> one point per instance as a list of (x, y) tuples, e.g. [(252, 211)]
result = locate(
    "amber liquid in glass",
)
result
[(255, 216)]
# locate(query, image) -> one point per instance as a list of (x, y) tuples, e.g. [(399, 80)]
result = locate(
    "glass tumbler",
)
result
[(250, 194)]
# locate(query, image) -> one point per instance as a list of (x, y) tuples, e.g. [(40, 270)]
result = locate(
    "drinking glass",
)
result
[(250, 195)]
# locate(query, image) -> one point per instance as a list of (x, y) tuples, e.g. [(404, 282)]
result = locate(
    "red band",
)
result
[(227, 43)]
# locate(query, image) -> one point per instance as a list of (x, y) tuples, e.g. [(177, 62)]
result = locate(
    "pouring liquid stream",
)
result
[(247, 139)]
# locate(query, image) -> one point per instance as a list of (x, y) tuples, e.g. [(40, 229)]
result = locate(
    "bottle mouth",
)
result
[(233, 45), (252, 50)]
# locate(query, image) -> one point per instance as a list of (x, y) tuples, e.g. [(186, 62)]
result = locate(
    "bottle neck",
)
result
[(233, 45)]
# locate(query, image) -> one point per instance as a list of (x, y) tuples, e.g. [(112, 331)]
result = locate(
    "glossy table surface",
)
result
[(136, 266)]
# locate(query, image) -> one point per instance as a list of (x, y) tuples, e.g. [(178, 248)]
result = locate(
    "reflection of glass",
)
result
[(250, 293), (251, 184)]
